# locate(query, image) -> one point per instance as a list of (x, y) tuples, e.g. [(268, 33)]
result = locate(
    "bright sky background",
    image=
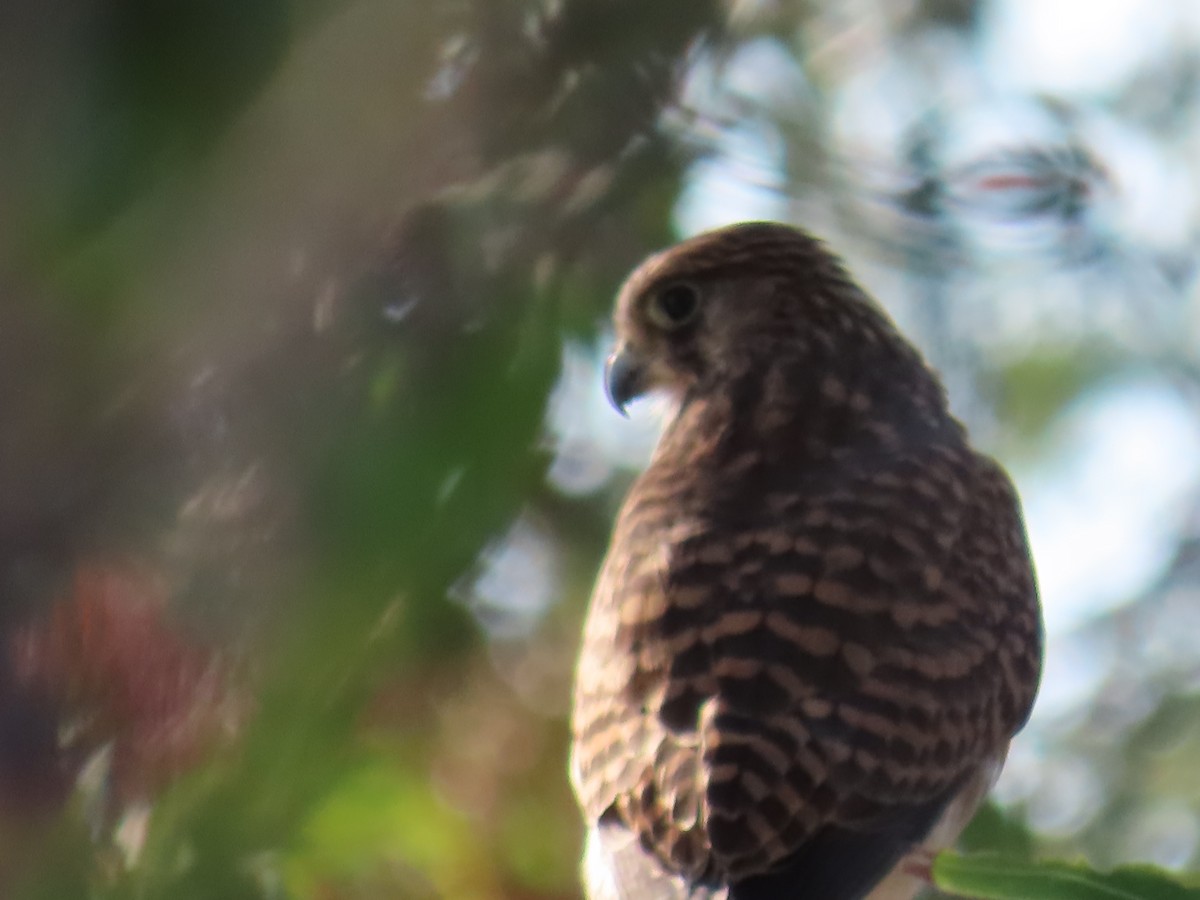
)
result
[(1102, 505), (1107, 491)]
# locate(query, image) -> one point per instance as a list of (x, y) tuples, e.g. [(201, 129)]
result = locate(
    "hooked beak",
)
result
[(623, 378)]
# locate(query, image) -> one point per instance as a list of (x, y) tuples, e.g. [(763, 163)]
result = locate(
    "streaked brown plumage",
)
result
[(816, 629)]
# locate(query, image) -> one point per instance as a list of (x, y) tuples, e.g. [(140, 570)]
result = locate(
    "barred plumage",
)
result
[(816, 629)]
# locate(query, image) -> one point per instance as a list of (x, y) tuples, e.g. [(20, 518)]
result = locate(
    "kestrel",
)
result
[(816, 629)]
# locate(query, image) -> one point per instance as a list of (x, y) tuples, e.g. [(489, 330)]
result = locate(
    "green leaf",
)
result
[(988, 876), (997, 832)]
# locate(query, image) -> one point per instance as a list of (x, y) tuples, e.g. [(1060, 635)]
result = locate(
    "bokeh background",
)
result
[(305, 468)]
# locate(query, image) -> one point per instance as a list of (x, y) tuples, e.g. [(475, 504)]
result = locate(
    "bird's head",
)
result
[(731, 302)]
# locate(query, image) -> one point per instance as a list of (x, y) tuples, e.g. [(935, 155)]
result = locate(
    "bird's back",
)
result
[(797, 667)]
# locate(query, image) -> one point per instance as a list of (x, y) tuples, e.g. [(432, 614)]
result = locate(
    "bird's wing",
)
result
[(800, 689)]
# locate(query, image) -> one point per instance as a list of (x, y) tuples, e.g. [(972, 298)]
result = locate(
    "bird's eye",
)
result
[(674, 306)]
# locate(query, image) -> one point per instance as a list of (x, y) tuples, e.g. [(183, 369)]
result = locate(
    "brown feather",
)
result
[(818, 608)]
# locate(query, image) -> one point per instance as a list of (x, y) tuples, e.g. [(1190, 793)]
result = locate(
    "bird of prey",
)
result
[(816, 629)]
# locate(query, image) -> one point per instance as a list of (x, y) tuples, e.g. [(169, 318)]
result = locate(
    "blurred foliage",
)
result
[(991, 877), (290, 570), (287, 289), (993, 831)]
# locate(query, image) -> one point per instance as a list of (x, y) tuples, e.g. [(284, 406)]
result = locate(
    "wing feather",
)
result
[(770, 687)]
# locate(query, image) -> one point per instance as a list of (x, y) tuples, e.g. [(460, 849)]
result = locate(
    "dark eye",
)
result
[(674, 306)]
